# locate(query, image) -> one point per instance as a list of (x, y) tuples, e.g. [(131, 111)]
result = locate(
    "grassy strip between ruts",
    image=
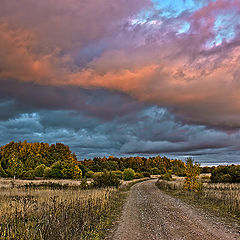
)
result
[(205, 199), (59, 213)]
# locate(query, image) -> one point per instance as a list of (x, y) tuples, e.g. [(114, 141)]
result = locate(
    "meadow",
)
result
[(42, 213), (58, 209)]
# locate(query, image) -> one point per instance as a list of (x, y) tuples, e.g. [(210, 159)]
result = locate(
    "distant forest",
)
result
[(41, 160)]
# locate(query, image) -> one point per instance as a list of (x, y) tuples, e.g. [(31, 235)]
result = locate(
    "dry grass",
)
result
[(223, 197), (9, 182), (38, 212), (54, 214)]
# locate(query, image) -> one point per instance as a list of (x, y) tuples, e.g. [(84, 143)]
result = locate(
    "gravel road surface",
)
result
[(150, 214)]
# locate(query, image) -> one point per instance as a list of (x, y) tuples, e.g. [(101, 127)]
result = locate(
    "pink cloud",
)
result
[(151, 63)]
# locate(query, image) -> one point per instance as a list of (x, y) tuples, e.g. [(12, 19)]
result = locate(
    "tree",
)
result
[(56, 170), (77, 173), (16, 166), (192, 171), (30, 175), (39, 170)]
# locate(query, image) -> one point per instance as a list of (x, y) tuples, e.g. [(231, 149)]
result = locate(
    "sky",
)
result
[(120, 77)]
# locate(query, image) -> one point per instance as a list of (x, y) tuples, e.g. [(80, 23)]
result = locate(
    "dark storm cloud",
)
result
[(125, 135), (26, 97)]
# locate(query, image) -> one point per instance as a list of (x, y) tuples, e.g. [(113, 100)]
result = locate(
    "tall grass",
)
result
[(54, 214), (221, 196)]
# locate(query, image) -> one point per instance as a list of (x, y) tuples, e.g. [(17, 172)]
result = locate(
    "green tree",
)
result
[(39, 170), (56, 170), (30, 175), (16, 166)]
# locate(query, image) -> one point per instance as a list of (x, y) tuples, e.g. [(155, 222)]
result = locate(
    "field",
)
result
[(224, 197), (57, 209), (44, 213)]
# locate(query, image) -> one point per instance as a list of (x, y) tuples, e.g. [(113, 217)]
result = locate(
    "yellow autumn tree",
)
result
[(192, 171)]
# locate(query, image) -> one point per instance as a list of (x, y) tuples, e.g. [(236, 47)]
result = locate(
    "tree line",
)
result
[(41, 160), (30, 160)]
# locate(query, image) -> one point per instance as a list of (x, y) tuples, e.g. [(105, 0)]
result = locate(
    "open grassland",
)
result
[(223, 197), (32, 213), (18, 183), (55, 214), (57, 209)]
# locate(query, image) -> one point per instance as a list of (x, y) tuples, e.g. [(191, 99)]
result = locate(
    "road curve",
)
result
[(150, 214)]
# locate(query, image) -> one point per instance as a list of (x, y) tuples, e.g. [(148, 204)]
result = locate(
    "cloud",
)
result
[(121, 74), (152, 130), (25, 97), (194, 73)]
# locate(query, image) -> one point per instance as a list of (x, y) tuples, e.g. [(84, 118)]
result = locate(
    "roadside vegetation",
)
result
[(33, 213), (211, 191), (59, 209)]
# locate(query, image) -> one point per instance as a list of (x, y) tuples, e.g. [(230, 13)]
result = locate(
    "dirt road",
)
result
[(150, 214)]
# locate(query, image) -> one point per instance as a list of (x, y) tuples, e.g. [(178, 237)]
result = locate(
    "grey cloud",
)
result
[(90, 137)]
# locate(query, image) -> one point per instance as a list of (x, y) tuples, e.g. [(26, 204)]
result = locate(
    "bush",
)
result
[(226, 174), (146, 174), (105, 179), (167, 176), (155, 171), (128, 174), (89, 174), (138, 175), (47, 172), (84, 185), (30, 175), (119, 174), (39, 170)]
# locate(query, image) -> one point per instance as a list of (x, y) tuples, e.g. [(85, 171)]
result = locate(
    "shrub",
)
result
[(47, 172), (146, 174), (89, 174), (105, 179), (155, 171), (138, 175), (96, 174), (167, 176), (84, 184), (39, 170), (119, 174), (224, 174), (30, 175), (128, 174)]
